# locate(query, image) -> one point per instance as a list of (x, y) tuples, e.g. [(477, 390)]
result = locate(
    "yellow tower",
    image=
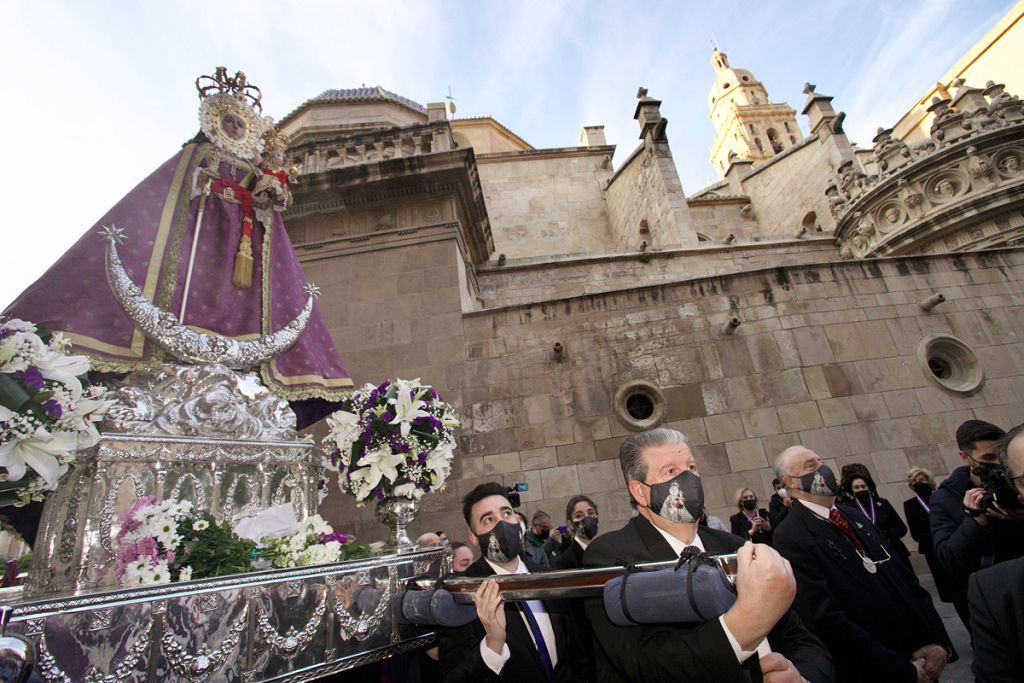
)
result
[(747, 124)]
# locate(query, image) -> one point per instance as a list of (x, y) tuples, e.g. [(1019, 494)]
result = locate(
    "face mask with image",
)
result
[(502, 543), (821, 482), (680, 499), (586, 528)]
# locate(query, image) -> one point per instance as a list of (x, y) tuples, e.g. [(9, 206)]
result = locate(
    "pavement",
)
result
[(960, 670)]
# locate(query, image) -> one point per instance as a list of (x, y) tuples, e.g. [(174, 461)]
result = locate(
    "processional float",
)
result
[(204, 417)]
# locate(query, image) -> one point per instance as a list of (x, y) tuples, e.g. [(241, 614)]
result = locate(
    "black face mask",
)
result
[(984, 469), (863, 496), (543, 535), (922, 488), (502, 543), (586, 528), (680, 499), (820, 482), (750, 505)]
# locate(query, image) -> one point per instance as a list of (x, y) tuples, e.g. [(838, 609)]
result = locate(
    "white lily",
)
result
[(64, 369), (17, 350), (40, 452), (408, 491), (344, 427), (381, 463), (437, 463), (407, 409)]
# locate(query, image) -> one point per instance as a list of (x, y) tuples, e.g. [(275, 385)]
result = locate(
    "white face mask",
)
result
[(782, 492)]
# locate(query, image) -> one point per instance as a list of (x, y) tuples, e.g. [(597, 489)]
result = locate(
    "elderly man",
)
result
[(664, 486), (996, 595), (869, 609), (429, 540)]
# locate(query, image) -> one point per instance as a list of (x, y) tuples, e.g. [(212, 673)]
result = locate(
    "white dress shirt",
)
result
[(741, 654), (496, 662), (579, 540)]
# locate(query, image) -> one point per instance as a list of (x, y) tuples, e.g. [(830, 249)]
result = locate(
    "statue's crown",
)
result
[(237, 86)]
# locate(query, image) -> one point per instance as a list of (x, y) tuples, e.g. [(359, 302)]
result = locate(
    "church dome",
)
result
[(728, 80)]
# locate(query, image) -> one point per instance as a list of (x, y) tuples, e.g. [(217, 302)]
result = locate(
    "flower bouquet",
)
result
[(47, 410), (161, 542), (392, 440), (315, 542)]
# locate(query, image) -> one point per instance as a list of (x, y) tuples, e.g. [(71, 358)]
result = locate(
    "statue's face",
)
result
[(233, 125), (892, 215), (1012, 163), (946, 188), (277, 157)]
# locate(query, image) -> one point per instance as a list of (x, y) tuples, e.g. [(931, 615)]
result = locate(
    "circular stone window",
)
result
[(639, 405), (951, 364)]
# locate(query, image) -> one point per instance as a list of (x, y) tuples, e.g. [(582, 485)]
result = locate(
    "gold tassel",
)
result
[(242, 277)]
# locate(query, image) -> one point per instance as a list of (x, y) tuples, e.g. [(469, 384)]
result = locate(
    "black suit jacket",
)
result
[(741, 527), (460, 658), (570, 558), (684, 653), (870, 622), (996, 596)]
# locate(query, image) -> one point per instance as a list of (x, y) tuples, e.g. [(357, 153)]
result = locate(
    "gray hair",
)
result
[(630, 458), (1003, 450), (780, 462)]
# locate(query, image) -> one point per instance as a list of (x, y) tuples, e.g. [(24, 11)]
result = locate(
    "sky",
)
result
[(97, 94)]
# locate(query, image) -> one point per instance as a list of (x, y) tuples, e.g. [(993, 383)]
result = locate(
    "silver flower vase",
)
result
[(397, 513)]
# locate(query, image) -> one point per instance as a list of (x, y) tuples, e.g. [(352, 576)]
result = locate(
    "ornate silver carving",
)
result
[(51, 671), (204, 662), (107, 512), (361, 627), (69, 530), (292, 589), (164, 330), (100, 619), (18, 655), (208, 602), (208, 400), (293, 641), (197, 487)]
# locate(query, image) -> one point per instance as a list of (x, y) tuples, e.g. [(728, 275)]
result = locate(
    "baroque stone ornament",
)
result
[(184, 343)]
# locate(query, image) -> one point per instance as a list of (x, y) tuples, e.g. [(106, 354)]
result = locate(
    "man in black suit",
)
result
[(868, 607), (664, 486), (524, 641), (996, 595), (581, 514)]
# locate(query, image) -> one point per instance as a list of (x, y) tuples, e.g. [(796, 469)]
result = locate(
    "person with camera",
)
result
[(976, 517), (996, 594)]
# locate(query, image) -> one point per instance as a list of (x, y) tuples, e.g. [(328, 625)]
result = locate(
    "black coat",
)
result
[(571, 558), (870, 622), (777, 510), (921, 531), (962, 545), (741, 526), (684, 653), (888, 521), (460, 658), (996, 597)]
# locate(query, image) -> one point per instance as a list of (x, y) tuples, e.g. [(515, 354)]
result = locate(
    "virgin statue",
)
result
[(204, 240)]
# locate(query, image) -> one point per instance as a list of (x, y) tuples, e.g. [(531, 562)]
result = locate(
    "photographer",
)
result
[(970, 529)]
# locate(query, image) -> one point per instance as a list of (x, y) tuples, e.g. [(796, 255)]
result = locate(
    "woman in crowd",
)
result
[(861, 490), (916, 509), (751, 522)]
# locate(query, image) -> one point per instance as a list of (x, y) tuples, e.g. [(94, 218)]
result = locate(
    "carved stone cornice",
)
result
[(937, 191), (451, 174)]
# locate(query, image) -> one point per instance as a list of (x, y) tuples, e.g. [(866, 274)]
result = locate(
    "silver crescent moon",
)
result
[(185, 344)]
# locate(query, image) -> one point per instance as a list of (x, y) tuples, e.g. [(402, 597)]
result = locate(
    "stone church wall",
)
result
[(547, 202), (826, 356)]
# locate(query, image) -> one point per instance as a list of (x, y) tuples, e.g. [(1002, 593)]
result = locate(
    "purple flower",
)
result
[(53, 409), (32, 378), (379, 493), (334, 536)]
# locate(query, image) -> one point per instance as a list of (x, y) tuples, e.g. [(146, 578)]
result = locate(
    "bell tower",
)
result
[(747, 124)]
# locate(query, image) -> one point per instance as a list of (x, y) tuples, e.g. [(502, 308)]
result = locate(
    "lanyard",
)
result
[(923, 504), (871, 505)]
